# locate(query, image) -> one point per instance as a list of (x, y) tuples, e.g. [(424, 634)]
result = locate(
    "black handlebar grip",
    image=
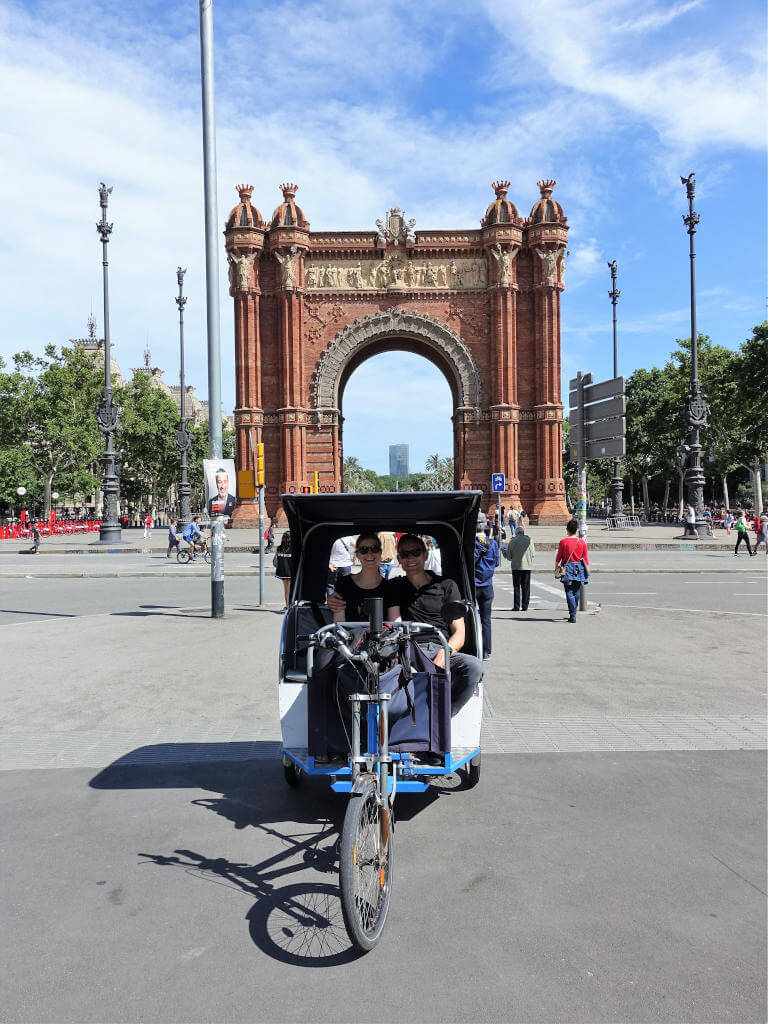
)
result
[(375, 608)]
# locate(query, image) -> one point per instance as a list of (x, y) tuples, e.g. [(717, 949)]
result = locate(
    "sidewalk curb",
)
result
[(186, 574)]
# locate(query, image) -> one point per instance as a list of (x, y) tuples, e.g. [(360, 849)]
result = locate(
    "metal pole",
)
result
[(696, 408), (617, 483), (261, 544), (182, 434), (107, 412), (212, 291), (581, 506)]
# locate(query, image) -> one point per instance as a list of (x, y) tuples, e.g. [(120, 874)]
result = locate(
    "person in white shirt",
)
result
[(342, 556)]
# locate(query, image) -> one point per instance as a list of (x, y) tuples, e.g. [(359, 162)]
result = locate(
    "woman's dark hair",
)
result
[(285, 543), (572, 526)]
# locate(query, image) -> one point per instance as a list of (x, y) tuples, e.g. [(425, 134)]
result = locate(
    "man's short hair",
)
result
[(411, 538), (221, 472)]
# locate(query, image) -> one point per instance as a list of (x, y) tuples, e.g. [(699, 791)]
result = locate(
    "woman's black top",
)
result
[(356, 597)]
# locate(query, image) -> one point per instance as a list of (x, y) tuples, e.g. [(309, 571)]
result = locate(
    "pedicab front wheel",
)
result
[(365, 867)]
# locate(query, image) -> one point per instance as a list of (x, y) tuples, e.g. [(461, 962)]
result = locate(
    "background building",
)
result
[(398, 460)]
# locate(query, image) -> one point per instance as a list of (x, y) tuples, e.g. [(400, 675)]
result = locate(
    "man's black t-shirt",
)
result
[(424, 604), (356, 597)]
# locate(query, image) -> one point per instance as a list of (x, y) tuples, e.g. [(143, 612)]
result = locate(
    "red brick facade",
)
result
[(482, 305)]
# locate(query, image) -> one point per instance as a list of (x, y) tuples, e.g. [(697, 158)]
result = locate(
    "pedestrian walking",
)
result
[(689, 519), (761, 532), (35, 539), (388, 554), (728, 522), (282, 564), (572, 566), (269, 537), (486, 561), (342, 557), (173, 537), (521, 552), (742, 533), (148, 526)]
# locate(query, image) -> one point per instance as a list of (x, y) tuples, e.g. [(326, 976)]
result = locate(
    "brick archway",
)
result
[(484, 306)]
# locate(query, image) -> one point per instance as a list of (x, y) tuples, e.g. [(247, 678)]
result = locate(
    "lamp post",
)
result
[(182, 434), (108, 411), (696, 407), (21, 491), (617, 483)]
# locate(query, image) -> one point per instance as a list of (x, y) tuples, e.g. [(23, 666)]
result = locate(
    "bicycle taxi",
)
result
[(360, 704)]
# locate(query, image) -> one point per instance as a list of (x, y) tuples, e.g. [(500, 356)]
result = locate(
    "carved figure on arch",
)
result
[(503, 261), (240, 272), (549, 259), (310, 277), (289, 264)]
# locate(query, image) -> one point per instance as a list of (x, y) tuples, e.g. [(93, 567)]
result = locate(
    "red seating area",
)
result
[(23, 531)]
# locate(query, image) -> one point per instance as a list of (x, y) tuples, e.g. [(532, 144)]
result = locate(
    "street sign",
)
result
[(614, 427), (498, 483), (601, 410), (605, 389), (586, 378), (613, 447)]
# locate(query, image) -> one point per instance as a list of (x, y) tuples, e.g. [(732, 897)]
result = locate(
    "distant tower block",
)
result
[(398, 461)]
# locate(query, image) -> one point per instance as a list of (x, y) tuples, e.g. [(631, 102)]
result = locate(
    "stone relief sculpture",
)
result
[(549, 258), (240, 272), (289, 264), (395, 272)]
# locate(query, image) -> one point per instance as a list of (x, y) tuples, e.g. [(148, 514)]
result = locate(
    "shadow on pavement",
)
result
[(301, 923)]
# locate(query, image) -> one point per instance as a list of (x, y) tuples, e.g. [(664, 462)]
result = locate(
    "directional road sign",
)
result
[(498, 483), (613, 447), (596, 392), (614, 427), (601, 410)]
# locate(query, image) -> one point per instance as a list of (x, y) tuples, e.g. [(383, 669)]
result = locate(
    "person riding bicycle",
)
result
[(193, 535)]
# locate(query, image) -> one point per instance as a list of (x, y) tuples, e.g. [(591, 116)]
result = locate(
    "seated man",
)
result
[(422, 596), (193, 535)]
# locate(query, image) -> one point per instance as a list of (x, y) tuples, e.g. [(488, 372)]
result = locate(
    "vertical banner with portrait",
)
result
[(220, 486)]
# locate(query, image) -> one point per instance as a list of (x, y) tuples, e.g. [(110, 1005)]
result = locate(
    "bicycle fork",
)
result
[(377, 759)]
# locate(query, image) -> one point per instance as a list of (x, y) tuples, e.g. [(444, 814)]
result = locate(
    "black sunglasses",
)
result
[(413, 553), (365, 549)]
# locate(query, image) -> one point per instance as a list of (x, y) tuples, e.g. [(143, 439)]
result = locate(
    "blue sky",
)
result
[(368, 106)]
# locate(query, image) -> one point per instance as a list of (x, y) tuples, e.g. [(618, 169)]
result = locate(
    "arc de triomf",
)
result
[(482, 305)]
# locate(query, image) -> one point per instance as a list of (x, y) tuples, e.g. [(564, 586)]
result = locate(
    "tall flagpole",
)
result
[(212, 291)]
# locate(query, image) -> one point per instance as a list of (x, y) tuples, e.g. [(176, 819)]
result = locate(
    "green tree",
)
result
[(146, 439), (49, 418), (354, 479), (439, 473), (751, 372)]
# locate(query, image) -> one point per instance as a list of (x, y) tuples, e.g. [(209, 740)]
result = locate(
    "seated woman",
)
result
[(347, 602)]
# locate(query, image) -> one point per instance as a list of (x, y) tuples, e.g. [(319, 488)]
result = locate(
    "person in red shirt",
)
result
[(572, 554)]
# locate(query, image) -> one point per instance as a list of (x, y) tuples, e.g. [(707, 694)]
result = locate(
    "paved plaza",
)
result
[(610, 866)]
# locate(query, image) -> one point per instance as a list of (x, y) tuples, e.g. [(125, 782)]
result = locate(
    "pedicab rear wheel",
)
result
[(365, 867), (293, 774), (473, 771)]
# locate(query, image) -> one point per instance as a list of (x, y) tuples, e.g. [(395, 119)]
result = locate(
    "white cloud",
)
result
[(694, 98)]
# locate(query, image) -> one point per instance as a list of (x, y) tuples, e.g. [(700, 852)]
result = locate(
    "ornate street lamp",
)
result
[(108, 411), (182, 434), (696, 407), (21, 491), (617, 483)]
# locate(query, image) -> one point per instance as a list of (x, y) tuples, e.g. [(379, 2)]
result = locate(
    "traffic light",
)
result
[(306, 490), (260, 465)]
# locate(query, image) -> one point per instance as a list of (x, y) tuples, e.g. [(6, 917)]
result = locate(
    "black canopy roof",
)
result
[(316, 520)]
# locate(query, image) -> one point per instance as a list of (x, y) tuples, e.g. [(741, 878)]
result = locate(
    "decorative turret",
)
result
[(547, 210), (245, 227), (502, 235), (501, 210), (288, 214), (244, 215)]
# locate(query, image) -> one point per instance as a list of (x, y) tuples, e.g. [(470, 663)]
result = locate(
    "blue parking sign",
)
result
[(497, 482)]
